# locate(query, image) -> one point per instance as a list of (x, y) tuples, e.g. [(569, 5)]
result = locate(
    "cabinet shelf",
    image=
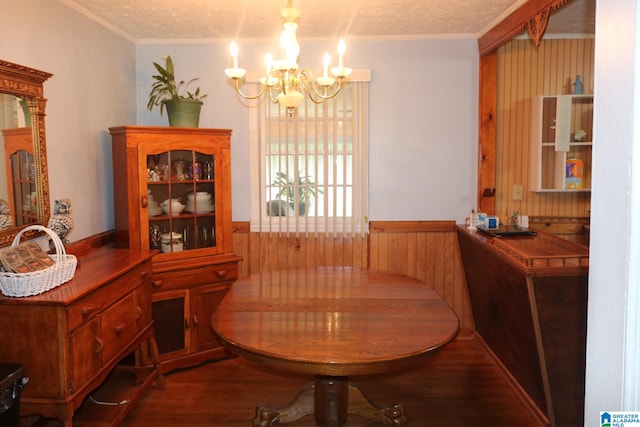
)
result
[(562, 190), (181, 181), (559, 163), (113, 400)]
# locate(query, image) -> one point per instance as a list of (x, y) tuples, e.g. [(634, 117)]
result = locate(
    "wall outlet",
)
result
[(517, 192)]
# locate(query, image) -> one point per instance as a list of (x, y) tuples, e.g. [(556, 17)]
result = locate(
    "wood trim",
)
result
[(487, 140), (520, 392), (410, 226), (241, 226), (532, 15), (106, 238)]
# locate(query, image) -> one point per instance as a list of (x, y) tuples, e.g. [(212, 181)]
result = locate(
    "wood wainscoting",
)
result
[(425, 250)]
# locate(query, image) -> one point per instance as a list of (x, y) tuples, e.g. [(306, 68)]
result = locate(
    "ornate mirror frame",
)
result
[(23, 81)]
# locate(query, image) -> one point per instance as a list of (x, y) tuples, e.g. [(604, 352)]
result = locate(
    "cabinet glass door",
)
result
[(181, 200)]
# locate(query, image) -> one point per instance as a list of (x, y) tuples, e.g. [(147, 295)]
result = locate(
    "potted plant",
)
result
[(183, 106), (304, 190)]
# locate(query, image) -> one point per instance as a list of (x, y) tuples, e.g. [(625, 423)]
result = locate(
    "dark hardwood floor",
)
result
[(457, 387)]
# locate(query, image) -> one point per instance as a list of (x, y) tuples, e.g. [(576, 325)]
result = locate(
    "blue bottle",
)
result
[(577, 85)]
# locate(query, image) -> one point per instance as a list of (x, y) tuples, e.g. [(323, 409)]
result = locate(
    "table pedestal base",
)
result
[(330, 399)]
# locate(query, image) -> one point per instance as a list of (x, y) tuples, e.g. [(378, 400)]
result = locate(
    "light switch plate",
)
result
[(517, 192)]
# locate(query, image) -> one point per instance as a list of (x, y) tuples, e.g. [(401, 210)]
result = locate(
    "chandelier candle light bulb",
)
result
[(284, 83), (235, 72), (233, 49), (326, 81), (326, 61)]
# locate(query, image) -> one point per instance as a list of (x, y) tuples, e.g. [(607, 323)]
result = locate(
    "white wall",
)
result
[(423, 110), (613, 329), (93, 87), (423, 117)]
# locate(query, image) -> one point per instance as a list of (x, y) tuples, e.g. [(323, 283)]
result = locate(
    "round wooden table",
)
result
[(333, 323)]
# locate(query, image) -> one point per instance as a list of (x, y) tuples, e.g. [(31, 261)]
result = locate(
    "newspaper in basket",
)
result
[(37, 282)]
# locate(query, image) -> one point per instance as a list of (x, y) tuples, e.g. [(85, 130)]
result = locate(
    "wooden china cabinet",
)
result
[(172, 191)]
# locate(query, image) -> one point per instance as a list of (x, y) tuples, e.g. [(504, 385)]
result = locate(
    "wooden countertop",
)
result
[(541, 254), (100, 265)]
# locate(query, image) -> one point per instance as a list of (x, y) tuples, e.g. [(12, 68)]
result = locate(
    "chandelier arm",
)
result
[(308, 82), (248, 96), (273, 99), (323, 97)]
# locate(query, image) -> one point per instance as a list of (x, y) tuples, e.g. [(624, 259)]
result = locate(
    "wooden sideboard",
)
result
[(529, 300), (73, 339)]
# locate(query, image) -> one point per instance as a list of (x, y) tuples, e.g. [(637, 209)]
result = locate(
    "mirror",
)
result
[(24, 181)]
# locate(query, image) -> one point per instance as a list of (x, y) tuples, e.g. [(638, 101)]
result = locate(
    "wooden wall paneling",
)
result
[(426, 250), (241, 241), (412, 254), (272, 251), (525, 71), (434, 259)]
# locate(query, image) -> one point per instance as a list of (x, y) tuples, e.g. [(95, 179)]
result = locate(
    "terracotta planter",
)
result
[(187, 114)]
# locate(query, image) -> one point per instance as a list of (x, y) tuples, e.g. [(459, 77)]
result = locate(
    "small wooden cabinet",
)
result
[(556, 142), (70, 339), (195, 266), (21, 175)]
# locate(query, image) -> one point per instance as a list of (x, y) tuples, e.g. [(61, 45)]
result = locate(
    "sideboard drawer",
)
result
[(90, 305), (204, 275), (117, 327)]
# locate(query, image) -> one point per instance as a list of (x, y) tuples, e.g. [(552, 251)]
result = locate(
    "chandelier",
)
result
[(284, 82)]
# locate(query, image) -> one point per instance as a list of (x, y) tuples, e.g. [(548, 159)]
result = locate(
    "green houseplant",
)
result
[(301, 188), (183, 106)]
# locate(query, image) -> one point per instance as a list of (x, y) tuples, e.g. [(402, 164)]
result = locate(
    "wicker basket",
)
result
[(37, 282)]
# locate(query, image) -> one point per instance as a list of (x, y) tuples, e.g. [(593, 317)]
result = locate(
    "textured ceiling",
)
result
[(238, 19)]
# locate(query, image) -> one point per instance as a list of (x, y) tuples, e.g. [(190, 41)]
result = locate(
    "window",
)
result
[(309, 171)]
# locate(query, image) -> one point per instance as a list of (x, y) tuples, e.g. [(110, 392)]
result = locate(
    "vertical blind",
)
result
[(310, 170)]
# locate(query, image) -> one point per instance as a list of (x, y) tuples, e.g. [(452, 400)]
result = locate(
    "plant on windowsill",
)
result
[(183, 107), (305, 190)]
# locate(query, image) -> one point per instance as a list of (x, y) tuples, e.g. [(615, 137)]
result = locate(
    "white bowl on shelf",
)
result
[(173, 208), (200, 207), (199, 196), (155, 211)]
